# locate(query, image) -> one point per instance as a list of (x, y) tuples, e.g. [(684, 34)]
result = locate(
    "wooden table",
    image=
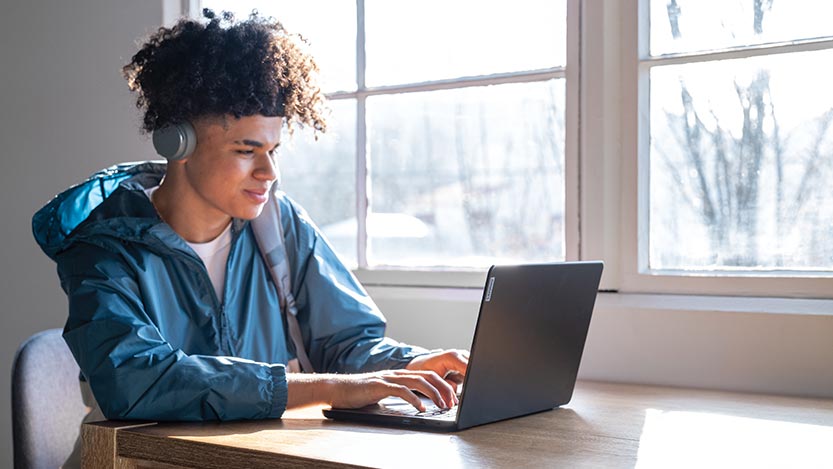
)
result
[(605, 425)]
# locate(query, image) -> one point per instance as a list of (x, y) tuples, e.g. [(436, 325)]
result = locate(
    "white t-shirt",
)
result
[(214, 254)]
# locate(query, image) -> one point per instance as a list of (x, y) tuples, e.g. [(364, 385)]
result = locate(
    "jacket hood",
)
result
[(55, 225)]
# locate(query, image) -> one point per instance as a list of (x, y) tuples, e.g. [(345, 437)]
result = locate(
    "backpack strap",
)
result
[(268, 231)]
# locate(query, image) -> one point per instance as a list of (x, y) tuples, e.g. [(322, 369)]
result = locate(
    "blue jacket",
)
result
[(148, 331)]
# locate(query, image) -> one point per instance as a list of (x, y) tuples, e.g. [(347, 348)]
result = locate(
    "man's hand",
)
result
[(449, 364), (359, 390), (436, 375)]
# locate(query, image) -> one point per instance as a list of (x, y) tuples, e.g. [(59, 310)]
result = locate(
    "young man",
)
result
[(172, 311)]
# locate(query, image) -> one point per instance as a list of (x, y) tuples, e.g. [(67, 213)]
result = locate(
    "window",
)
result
[(734, 147), (688, 143), (449, 122), (740, 139)]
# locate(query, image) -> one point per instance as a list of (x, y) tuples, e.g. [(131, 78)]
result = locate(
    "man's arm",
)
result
[(343, 329), (359, 390), (345, 332)]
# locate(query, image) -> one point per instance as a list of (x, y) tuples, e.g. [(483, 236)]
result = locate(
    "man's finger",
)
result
[(455, 377), (446, 390), (402, 392), (421, 383)]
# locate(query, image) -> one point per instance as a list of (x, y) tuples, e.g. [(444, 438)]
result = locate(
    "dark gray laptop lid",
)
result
[(529, 339)]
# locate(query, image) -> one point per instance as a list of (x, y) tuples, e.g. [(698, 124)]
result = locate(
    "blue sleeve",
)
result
[(343, 329), (134, 372)]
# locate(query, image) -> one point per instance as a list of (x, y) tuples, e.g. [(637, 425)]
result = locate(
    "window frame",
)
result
[(391, 275), (457, 277)]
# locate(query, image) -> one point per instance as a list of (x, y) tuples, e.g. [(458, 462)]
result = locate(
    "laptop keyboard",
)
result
[(430, 411)]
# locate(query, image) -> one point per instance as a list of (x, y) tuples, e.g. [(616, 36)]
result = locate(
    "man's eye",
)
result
[(244, 152)]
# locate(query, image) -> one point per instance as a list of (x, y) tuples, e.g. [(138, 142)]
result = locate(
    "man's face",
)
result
[(233, 166)]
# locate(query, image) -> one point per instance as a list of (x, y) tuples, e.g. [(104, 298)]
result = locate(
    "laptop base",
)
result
[(403, 421)]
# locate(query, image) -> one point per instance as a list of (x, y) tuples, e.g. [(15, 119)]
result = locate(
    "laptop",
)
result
[(525, 353)]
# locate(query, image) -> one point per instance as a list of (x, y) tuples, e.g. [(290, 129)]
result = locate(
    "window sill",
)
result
[(704, 303), (426, 278), (630, 301)]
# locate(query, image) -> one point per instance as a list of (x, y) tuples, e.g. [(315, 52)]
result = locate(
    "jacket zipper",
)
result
[(223, 317), (219, 307)]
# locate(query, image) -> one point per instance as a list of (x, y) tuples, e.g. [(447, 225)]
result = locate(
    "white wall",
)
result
[(66, 112), (753, 345)]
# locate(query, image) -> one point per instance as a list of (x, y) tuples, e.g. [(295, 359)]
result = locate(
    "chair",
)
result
[(46, 401)]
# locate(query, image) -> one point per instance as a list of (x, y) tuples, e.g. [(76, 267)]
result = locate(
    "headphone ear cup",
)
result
[(175, 142)]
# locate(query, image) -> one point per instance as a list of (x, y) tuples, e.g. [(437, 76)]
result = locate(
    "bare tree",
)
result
[(725, 171), (759, 7)]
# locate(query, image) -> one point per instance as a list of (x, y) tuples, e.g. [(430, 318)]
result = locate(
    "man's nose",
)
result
[(268, 169)]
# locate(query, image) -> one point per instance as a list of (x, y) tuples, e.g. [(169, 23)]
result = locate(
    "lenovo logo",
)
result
[(489, 289)]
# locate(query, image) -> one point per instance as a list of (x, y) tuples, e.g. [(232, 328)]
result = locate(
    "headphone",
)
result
[(175, 142)]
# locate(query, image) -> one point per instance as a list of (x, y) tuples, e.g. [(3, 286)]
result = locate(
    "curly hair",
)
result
[(220, 67)]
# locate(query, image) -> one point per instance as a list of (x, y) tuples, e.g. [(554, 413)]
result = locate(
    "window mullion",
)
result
[(600, 134), (362, 177), (740, 52), (573, 148), (634, 43)]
